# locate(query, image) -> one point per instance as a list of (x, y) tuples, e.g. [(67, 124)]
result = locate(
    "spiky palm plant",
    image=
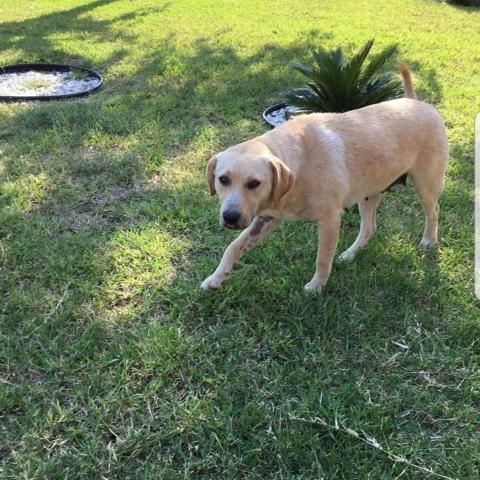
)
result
[(338, 84)]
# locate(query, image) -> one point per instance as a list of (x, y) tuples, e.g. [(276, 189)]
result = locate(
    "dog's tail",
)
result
[(407, 81)]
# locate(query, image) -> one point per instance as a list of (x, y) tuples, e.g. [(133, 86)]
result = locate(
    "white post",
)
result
[(477, 206)]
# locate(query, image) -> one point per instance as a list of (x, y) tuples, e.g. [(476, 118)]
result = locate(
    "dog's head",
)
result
[(246, 184)]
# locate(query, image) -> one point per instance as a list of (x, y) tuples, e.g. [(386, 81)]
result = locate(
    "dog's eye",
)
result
[(252, 184), (224, 180)]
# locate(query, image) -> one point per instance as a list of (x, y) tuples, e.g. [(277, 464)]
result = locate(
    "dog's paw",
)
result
[(211, 283), (347, 256), (426, 243), (314, 286)]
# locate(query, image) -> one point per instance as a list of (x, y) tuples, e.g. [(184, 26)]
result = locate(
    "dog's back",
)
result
[(377, 144), (384, 141)]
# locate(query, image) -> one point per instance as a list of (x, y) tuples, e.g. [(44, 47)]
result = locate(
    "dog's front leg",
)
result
[(328, 231), (258, 230)]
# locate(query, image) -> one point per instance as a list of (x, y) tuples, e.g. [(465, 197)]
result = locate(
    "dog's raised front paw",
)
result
[(211, 283)]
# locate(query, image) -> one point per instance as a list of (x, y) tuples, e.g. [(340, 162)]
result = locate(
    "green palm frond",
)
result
[(353, 68), (337, 84), (306, 99), (307, 71), (377, 63)]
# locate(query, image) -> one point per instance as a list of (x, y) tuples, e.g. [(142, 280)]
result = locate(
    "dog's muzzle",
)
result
[(231, 217), (233, 220)]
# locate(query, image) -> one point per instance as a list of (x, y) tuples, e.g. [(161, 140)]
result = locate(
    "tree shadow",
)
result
[(32, 37), (469, 6)]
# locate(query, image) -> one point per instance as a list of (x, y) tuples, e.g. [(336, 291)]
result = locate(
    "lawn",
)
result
[(114, 364)]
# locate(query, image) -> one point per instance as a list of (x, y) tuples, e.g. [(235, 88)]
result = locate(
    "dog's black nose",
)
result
[(231, 217)]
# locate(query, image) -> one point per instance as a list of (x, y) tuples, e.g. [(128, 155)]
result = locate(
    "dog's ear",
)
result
[(282, 179), (212, 165)]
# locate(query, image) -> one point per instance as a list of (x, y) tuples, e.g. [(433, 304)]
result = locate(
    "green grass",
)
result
[(113, 364)]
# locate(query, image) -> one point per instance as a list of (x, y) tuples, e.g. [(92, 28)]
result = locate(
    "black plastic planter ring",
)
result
[(51, 68), (270, 110)]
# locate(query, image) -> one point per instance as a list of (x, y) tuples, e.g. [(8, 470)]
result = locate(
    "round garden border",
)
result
[(48, 67)]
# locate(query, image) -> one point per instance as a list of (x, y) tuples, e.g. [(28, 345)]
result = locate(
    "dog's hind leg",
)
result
[(368, 212), (257, 231), (429, 186)]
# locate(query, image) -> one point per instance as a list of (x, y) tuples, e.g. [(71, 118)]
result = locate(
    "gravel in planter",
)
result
[(282, 115), (34, 83)]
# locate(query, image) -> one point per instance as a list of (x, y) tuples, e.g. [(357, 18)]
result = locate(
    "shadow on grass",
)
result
[(430, 90), (469, 6), (33, 37)]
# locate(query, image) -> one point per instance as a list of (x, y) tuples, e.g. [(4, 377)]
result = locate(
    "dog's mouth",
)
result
[(232, 227), (240, 225)]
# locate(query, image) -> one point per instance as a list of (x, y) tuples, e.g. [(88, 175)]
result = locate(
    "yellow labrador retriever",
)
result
[(315, 166)]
